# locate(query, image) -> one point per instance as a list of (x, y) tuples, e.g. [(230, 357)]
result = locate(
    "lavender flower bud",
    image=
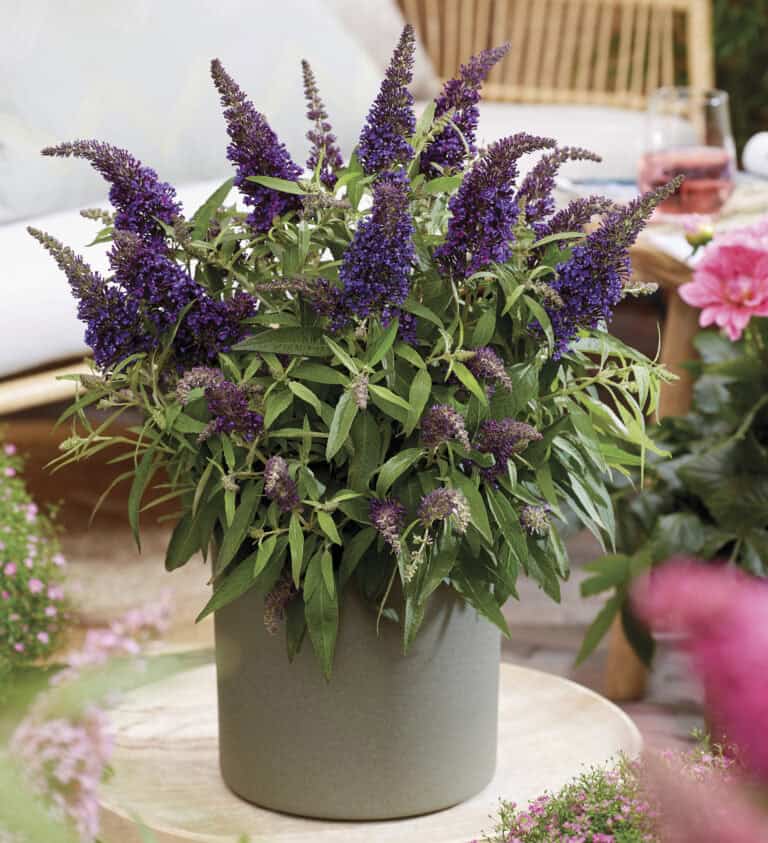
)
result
[(487, 365), (256, 151), (384, 139), (387, 516), (449, 148), (442, 504), (442, 423), (139, 197), (535, 520), (484, 210), (279, 485), (321, 137), (503, 438), (376, 268), (591, 282), (199, 377)]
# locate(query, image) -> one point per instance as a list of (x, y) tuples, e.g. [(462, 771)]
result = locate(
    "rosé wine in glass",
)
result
[(688, 133), (709, 177)]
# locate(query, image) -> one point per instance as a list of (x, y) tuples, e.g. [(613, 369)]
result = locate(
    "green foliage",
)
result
[(710, 500), (344, 411), (741, 59)]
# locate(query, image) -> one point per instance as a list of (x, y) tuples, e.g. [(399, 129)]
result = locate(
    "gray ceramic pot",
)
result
[(389, 736)]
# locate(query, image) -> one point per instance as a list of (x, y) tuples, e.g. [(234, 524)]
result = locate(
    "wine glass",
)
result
[(688, 133)]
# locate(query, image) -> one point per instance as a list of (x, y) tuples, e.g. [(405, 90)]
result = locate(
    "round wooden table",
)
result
[(166, 765)]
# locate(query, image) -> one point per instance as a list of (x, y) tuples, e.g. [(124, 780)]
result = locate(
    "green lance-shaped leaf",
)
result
[(144, 472), (343, 416), (235, 534), (322, 613)]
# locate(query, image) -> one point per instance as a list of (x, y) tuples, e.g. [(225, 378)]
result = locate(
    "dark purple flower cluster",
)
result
[(162, 291), (536, 189), (228, 405), (450, 148), (279, 485), (484, 209), (115, 328), (227, 402), (503, 438), (391, 121), (591, 282), (276, 603), (256, 151), (440, 424), (376, 268), (324, 146), (139, 197), (535, 520), (444, 503), (486, 365), (387, 516)]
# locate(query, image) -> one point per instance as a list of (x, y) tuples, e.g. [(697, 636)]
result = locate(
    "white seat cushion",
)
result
[(38, 319), (138, 76), (616, 134)]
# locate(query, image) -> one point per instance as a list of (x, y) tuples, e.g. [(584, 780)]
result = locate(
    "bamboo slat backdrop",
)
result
[(598, 52)]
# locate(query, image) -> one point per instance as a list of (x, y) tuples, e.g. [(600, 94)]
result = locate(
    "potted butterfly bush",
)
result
[(370, 390)]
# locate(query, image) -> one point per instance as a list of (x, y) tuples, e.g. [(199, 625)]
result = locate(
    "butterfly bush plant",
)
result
[(391, 373)]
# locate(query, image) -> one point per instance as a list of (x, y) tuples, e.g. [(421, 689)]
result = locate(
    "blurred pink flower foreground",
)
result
[(722, 615), (730, 283)]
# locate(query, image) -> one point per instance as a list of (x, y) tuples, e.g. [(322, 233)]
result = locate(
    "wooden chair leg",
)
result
[(626, 677)]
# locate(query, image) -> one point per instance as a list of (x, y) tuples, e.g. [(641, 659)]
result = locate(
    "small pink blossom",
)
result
[(10, 569), (29, 563), (730, 283), (19, 647), (9, 449), (51, 611), (59, 560), (6, 595), (43, 638), (9, 471), (35, 585), (55, 592)]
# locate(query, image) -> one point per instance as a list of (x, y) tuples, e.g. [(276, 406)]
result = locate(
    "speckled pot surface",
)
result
[(389, 736)]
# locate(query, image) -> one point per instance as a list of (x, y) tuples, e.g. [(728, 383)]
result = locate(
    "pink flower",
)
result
[(55, 592), (9, 449), (59, 560), (29, 563), (10, 569), (721, 613), (730, 283), (19, 647), (51, 611), (6, 595), (9, 471), (35, 585), (43, 638)]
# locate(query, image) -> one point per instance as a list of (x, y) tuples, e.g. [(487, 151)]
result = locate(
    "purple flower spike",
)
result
[(442, 504), (376, 268), (114, 328), (442, 424), (484, 210), (591, 283), (387, 516), (536, 189), (139, 197), (321, 137), (279, 485), (227, 403), (449, 149), (577, 214), (488, 366), (384, 139), (503, 439), (256, 151)]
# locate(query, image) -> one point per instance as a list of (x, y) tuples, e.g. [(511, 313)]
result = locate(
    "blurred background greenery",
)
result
[(741, 57)]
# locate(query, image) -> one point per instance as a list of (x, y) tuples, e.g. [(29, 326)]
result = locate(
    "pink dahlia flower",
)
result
[(720, 612), (730, 283)]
